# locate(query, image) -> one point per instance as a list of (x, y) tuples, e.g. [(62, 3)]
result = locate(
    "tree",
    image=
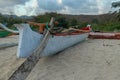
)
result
[(41, 18), (73, 22), (115, 5), (62, 22), (95, 21)]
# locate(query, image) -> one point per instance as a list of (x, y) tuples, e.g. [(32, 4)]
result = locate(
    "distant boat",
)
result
[(29, 40), (104, 35)]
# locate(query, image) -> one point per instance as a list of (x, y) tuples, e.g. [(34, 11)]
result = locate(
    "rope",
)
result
[(47, 27)]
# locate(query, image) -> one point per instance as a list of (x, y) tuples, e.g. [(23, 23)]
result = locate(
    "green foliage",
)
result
[(95, 21), (46, 17), (9, 21), (42, 18), (115, 5), (52, 14), (73, 22), (62, 22), (4, 33), (102, 24), (106, 26), (83, 24)]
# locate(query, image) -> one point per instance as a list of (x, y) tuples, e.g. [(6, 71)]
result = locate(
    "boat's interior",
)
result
[(58, 31)]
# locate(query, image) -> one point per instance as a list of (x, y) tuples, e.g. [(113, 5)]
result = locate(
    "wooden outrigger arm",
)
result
[(7, 29), (40, 25)]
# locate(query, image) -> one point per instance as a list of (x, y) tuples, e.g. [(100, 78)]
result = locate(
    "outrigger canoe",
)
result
[(29, 40), (33, 45)]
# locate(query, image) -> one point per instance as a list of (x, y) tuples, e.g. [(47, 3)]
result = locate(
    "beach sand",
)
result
[(90, 60), (10, 39), (93, 59), (8, 60)]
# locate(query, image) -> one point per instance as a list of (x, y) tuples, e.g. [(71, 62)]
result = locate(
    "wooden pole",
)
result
[(6, 45), (23, 71)]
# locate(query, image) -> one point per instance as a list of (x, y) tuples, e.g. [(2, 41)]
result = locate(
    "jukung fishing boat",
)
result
[(29, 40)]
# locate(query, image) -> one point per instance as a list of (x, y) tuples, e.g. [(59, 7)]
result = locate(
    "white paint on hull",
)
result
[(29, 41), (59, 43)]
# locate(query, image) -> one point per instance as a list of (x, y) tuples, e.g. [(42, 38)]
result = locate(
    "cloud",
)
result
[(29, 8), (50, 5), (75, 3), (33, 7), (100, 6), (80, 6), (6, 3), (7, 6), (104, 6)]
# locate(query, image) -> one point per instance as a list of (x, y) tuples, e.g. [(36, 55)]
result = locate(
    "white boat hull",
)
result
[(29, 41), (59, 43)]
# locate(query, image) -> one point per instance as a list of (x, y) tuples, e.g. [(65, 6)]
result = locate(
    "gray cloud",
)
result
[(81, 6), (73, 6), (76, 3), (50, 5), (29, 7), (7, 6), (6, 3)]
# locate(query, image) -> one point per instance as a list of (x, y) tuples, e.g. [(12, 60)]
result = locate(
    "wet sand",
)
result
[(91, 60)]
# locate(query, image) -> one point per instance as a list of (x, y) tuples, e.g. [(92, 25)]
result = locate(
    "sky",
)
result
[(35, 7)]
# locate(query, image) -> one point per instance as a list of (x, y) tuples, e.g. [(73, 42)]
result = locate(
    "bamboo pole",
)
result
[(6, 45)]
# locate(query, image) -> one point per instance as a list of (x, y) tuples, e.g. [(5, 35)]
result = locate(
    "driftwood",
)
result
[(23, 71)]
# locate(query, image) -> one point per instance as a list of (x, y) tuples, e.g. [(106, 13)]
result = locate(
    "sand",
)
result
[(90, 60), (94, 59), (10, 39), (8, 60)]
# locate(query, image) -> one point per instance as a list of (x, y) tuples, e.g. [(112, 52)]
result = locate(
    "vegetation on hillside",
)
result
[(9, 21)]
